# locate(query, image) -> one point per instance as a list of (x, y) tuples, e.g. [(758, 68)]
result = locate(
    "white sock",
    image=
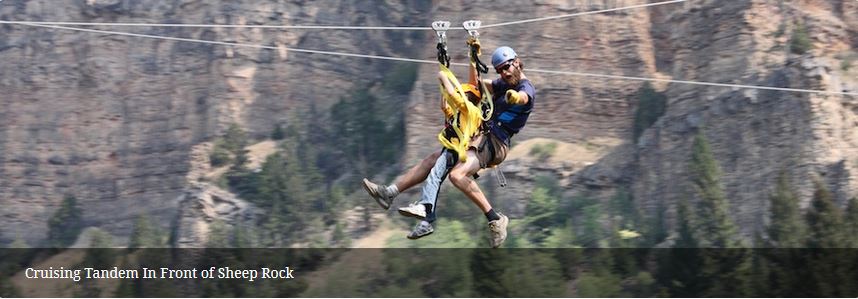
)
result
[(392, 190)]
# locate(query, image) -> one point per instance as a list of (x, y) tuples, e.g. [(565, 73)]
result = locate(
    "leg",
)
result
[(461, 178), (417, 173), (425, 208), (384, 195), (434, 180)]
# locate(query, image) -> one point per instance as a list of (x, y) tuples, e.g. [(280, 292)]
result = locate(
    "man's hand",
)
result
[(514, 97), (474, 42)]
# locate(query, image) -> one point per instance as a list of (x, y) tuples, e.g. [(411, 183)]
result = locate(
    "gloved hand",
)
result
[(513, 97), (474, 42)]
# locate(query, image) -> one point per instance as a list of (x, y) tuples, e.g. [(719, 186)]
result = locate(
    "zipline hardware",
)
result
[(441, 28)]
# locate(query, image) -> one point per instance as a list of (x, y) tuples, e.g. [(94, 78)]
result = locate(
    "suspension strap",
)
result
[(471, 26), (441, 28), (486, 103), (499, 175)]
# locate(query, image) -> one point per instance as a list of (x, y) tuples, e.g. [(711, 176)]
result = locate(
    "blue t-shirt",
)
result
[(508, 119)]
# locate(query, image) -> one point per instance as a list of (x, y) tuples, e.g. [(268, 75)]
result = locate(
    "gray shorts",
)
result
[(491, 151)]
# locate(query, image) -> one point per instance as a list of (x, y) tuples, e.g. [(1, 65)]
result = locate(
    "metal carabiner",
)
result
[(441, 28), (471, 26)]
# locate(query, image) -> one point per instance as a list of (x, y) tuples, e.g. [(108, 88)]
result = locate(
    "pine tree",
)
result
[(716, 228), (99, 255), (852, 222), (786, 229), (851, 259), (235, 138), (677, 267), (825, 234), (825, 222), (726, 261), (655, 231), (487, 265), (144, 234), (66, 223)]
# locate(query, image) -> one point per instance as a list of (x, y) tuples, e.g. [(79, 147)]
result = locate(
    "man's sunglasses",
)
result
[(503, 67)]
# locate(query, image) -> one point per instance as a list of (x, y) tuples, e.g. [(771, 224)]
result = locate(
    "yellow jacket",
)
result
[(464, 115)]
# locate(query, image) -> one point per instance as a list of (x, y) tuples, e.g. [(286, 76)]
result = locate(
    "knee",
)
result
[(457, 177)]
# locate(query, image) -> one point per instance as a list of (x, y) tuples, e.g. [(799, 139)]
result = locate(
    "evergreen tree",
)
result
[(678, 267), (786, 229), (592, 233), (825, 222), (144, 234), (825, 234), (775, 267), (726, 261), (655, 231), (651, 106), (235, 139), (714, 224), (219, 236), (537, 274), (852, 222), (278, 133), (851, 259), (487, 265), (66, 223), (99, 255)]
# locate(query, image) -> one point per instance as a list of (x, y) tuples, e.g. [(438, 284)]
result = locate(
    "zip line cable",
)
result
[(337, 27), (694, 82), (580, 14), (230, 44), (433, 61)]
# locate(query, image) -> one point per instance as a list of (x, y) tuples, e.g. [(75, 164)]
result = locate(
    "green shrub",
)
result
[(800, 42), (651, 106), (278, 133), (543, 152), (66, 223), (219, 157)]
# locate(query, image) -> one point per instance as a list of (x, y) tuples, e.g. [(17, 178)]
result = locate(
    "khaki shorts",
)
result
[(491, 151)]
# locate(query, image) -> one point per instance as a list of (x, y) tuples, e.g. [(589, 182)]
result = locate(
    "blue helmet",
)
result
[(501, 55)]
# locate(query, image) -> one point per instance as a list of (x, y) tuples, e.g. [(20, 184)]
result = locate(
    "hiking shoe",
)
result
[(421, 230), (415, 210), (379, 193), (497, 230)]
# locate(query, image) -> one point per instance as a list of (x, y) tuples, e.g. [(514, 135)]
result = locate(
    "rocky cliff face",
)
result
[(115, 120), (755, 134), (112, 120)]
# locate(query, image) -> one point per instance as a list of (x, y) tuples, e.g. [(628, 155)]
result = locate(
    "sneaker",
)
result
[(379, 193), (497, 230), (416, 210), (421, 230)]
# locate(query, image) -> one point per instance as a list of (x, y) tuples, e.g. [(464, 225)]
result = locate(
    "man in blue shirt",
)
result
[(513, 98)]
